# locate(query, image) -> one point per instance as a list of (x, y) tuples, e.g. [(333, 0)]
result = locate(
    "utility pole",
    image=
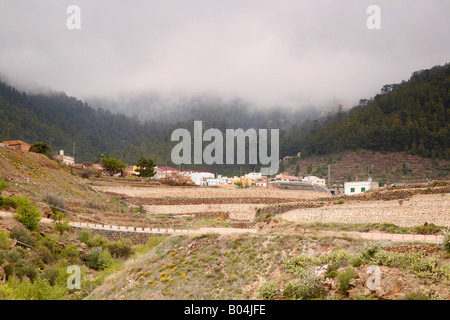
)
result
[(329, 176), (73, 152)]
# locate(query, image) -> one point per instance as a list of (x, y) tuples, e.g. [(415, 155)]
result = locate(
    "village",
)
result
[(207, 178)]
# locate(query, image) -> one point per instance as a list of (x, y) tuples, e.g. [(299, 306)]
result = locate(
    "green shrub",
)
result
[(99, 258), (56, 274), (268, 290), (307, 286), (3, 184), (122, 248), (344, 278), (26, 213), (7, 202), (40, 289), (23, 235), (15, 254), (71, 253), (416, 295), (358, 261), (370, 249), (91, 240), (26, 267), (427, 229), (5, 241), (61, 224)]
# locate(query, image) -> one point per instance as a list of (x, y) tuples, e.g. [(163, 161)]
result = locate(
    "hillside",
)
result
[(384, 167), (413, 116)]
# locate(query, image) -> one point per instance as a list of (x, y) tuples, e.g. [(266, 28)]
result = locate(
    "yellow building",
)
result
[(246, 181)]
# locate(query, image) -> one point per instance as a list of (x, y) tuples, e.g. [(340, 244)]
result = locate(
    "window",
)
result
[(352, 189), (363, 189)]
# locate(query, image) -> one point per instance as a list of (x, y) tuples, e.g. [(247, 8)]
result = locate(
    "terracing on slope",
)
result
[(387, 167)]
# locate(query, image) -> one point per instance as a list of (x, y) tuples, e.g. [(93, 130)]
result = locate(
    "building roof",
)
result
[(15, 142)]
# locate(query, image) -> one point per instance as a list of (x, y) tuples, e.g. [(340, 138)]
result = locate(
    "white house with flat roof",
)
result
[(356, 187)]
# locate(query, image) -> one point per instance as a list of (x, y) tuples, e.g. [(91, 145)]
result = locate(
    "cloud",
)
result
[(269, 52)]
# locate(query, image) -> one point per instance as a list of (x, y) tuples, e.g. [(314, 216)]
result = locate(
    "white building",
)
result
[(261, 183), (66, 160), (254, 175), (356, 187), (199, 178), (314, 180)]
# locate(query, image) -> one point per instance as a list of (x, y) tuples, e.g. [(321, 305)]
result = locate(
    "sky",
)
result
[(287, 52)]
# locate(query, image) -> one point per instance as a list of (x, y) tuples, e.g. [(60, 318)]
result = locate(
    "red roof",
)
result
[(14, 142)]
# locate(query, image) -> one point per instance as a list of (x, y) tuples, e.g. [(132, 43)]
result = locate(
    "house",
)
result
[(356, 187), (66, 160), (314, 180), (18, 145), (200, 177), (164, 172), (261, 183), (254, 175)]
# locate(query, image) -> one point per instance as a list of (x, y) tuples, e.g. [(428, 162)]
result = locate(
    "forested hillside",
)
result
[(413, 116)]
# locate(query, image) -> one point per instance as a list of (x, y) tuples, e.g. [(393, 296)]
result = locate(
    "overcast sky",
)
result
[(264, 51)]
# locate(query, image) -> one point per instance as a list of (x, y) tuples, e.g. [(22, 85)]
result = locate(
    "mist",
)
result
[(291, 54)]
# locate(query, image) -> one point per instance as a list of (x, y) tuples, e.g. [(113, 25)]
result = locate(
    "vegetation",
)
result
[(412, 116), (41, 147), (26, 213), (113, 166), (145, 167)]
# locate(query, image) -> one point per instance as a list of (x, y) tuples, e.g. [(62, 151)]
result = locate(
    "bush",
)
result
[(3, 184), (40, 289), (122, 248), (54, 200), (41, 147), (60, 222), (5, 242), (86, 173), (71, 253), (25, 267), (22, 235), (307, 286), (7, 202), (416, 295), (370, 249), (99, 258), (27, 214), (344, 278), (86, 236), (268, 290)]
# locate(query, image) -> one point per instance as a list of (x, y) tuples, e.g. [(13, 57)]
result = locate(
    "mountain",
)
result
[(412, 116)]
